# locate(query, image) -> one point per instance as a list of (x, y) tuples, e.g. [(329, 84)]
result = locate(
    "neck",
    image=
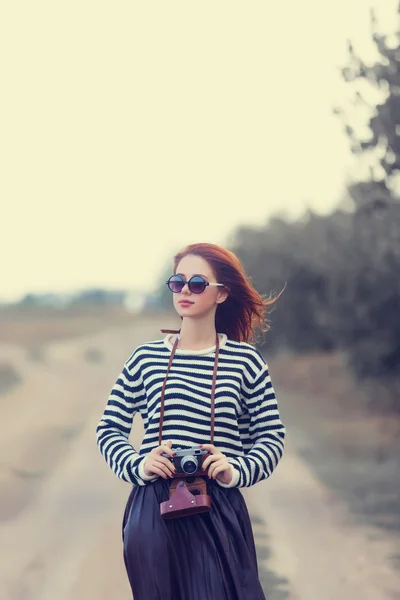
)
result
[(196, 335)]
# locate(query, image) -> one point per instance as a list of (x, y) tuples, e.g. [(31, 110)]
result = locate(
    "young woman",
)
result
[(209, 555)]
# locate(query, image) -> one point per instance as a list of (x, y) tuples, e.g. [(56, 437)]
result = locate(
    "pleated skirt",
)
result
[(207, 556)]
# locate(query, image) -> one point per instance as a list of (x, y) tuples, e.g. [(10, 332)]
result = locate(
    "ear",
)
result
[(222, 296)]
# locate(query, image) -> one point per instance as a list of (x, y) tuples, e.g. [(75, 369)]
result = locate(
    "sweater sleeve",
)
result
[(115, 426), (266, 432)]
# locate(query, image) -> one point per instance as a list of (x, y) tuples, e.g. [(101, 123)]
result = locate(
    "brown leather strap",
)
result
[(162, 392), (212, 388), (170, 330)]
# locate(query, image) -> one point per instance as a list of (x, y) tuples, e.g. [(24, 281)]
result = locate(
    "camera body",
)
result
[(188, 463)]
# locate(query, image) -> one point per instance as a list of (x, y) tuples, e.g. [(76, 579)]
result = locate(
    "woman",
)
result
[(211, 555)]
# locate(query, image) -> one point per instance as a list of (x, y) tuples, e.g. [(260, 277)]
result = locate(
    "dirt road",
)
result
[(61, 506)]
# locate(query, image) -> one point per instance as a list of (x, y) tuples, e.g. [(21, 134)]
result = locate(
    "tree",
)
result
[(384, 123)]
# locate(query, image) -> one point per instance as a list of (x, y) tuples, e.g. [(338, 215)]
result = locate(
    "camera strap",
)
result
[(212, 385)]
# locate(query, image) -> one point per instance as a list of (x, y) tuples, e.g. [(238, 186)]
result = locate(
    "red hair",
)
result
[(244, 309)]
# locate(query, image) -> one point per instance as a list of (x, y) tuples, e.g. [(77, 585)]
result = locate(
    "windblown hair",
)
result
[(244, 309)]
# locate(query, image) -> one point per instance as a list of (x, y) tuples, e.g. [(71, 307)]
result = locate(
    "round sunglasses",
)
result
[(196, 284)]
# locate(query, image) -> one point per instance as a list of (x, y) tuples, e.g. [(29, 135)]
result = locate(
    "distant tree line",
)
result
[(95, 296)]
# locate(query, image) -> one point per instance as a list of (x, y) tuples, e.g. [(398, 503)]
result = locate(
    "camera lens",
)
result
[(189, 464)]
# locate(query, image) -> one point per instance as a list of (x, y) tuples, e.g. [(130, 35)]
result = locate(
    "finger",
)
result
[(161, 469), (211, 459), (165, 449), (214, 465), (210, 447), (169, 464), (217, 471), (158, 471), (157, 458), (166, 466)]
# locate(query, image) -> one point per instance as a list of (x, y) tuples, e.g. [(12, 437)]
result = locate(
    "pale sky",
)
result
[(130, 129)]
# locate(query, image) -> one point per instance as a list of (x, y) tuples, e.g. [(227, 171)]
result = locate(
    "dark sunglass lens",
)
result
[(197, 285), (176, 283)]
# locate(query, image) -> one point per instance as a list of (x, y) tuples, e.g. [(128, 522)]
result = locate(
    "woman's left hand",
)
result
[(220, 467)]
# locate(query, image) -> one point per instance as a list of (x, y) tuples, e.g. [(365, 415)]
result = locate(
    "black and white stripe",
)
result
[(248, 428)]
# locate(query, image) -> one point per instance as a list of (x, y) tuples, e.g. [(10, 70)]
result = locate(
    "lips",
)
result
[(185, 303)]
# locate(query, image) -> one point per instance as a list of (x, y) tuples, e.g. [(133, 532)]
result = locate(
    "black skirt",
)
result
[(207, 556)]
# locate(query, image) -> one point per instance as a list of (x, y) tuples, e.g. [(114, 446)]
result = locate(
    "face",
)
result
[(202, 303)]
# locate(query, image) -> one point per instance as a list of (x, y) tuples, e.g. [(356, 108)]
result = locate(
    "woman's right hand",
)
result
[(155, 464)]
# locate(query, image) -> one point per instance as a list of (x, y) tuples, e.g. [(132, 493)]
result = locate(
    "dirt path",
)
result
[(316, 545), (61, 512)]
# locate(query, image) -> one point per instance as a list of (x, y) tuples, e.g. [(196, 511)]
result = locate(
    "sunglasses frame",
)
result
[(206, 283)]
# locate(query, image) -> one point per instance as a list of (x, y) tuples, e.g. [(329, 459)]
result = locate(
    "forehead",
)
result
[(190, 265)]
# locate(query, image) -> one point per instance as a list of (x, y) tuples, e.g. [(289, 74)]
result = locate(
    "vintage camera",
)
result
[(188, 494), (188, 462)]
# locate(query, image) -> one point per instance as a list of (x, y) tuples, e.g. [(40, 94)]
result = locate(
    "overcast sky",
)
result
[(131, 129)]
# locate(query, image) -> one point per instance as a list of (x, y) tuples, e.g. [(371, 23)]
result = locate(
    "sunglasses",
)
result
[(196, 284)]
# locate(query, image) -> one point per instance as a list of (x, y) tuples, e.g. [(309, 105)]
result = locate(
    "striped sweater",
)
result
[(248, 428)]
